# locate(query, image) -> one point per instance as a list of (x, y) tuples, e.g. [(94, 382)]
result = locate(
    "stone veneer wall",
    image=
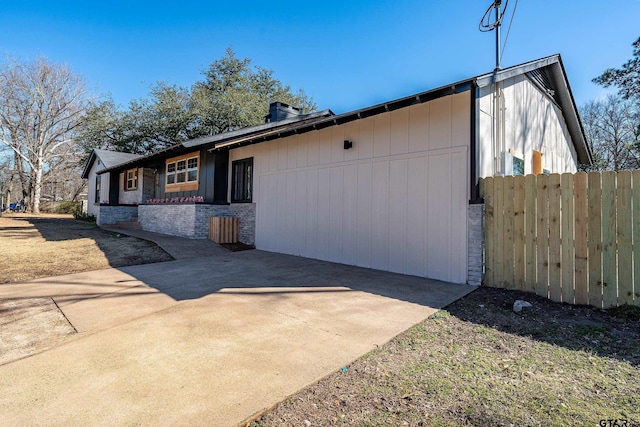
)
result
[(113, 214), (475, 244), (192, 220)]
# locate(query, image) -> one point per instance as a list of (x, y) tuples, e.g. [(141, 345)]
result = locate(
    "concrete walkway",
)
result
[(177, 247), (205, 341)]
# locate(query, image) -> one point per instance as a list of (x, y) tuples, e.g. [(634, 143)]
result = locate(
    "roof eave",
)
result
[(565, 96), (206, 140), (299, 128), (88, 165), (571, 113)]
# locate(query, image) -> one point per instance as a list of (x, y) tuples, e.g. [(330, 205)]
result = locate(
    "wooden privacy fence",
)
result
[(572, 237)]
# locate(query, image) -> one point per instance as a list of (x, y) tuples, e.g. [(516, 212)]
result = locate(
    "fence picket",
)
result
[(542, 235), (530, 221), (567, 237), (635, 289), (581, 283), (624, 235), (518, 232), (594, 239), (609, 244), (487, 189), (555, 260), (508, 253), (498, 217)]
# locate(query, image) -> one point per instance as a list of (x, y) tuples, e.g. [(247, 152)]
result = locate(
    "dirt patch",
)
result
[(478, 363), (236, 247), (29, 326), (51, 245)]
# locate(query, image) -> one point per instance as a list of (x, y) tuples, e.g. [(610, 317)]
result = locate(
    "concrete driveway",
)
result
[(205, 341)]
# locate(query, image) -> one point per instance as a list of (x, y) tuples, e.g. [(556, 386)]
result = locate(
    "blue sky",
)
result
[(345, 54)]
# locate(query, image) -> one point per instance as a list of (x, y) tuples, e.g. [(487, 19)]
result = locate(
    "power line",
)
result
[(486, 24), (508, 29)]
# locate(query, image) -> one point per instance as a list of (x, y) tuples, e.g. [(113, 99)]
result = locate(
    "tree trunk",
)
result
[(37, 190)]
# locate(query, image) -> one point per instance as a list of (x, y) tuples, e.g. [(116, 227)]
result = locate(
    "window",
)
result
[(171, 173), (513, 163), (181, 168), (96, 197), (131, 180), (518, 166), (182, 173), (192, 169), (242, 180)]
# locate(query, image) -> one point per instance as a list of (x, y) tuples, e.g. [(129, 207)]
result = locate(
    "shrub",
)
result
[(79, 215), (68, 207)]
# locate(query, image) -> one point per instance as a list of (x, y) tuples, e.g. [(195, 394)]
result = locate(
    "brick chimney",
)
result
[(280, 111)]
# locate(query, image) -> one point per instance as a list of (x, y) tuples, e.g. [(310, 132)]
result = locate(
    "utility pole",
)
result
[(497, 5)]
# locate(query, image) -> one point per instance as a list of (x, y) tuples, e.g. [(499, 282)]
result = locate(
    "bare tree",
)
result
[(41, 104), (612, 130)]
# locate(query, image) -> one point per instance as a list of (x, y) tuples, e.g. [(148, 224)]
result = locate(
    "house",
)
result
[(393, 186), (102, 188)]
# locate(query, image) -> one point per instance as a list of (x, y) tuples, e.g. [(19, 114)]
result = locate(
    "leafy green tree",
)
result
[(232, 95), (626, 78)]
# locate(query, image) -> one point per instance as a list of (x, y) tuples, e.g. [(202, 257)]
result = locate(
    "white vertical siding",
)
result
[(93, 207), (395, 201), (532, 122)]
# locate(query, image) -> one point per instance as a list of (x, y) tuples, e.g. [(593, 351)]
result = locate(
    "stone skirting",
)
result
[(192, 220), (108, 214), (475, 244)]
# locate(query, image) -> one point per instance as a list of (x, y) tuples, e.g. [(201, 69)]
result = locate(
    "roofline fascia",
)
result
[(500, 75), (420, 98), (203, 141), (87, 167), (583, 136)]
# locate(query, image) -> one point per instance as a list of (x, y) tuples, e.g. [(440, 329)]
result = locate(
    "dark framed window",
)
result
[(171, 173), (242, 181), (96, 197)]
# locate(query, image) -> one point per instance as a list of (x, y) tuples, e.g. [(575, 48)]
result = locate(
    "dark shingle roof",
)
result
[(108, 158)]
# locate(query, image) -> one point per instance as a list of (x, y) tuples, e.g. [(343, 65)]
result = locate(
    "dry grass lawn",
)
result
[(480, 364), (50, 245)]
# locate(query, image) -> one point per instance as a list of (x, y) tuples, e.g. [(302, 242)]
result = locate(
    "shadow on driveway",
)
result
[(264, 273)]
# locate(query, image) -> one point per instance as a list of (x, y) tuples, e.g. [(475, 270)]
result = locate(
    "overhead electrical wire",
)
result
[(485, 23), (490, 23), (515, 6)]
